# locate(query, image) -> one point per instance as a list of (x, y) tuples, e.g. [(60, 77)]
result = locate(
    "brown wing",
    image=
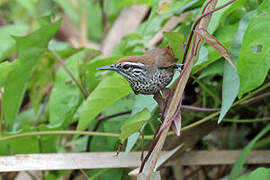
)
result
[(163, 57)]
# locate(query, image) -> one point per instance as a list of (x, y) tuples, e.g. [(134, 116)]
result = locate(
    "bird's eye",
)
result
[(126, 66)]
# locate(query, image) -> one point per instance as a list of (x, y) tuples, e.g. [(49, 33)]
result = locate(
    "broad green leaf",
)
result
[(21, 145), (8, 44), (4, 149), (238, 166), (65, 94), (48, 143), (5, 68), (213, 69), (259, 173), (29, 48), (176, 42), (25, 119), (231, 80), (141, 102), (265, 7), (109, 90), (215, 20), (237, 5), (134, 124), (106, 174), (114, 124), (42, 76), (91, 70), (188, 5), (254, 61)]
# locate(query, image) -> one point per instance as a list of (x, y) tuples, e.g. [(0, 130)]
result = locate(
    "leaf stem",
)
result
[(83, 91)]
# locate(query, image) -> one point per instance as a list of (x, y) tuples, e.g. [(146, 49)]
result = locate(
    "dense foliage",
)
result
[(50, 83)]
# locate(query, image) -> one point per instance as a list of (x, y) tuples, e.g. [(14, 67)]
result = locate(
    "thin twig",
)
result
[(256, 98), (115, 115), (84, 93), (246, 120), (194, 108)]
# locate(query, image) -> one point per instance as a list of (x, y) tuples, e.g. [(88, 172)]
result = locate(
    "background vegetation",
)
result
[(49, 81)]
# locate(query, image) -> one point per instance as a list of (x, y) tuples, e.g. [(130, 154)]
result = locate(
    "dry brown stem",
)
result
[(151, 163)]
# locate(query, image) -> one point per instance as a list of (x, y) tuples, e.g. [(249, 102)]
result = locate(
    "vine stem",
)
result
[(83, 91), (59, 132)]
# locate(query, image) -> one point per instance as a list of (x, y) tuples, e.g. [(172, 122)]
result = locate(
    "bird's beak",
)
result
[(108, 67)]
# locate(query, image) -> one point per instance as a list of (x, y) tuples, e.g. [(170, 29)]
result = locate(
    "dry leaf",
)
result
[(212, 41)]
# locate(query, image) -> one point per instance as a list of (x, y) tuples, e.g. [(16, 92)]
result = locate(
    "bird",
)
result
[(149, 73)]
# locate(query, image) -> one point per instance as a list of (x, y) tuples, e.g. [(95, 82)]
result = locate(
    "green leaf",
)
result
[(238, 166), (260, 173), (48, 143), (215, 20), (265, 7), (213, 69), (237, 5), (254, 62), (5, 68), (109, 90), (176, 42), (124, 104), (231, 81), (134, 124), (91, 70), (21, 145), (141, 102), (106, 174), (65, 94), (42, 76), (30, 48), (7, 45)]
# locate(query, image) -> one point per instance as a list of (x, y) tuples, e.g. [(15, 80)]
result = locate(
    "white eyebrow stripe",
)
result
[(133, 64)]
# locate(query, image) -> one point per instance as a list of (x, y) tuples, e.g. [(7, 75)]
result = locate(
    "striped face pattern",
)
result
[(144, 79)]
